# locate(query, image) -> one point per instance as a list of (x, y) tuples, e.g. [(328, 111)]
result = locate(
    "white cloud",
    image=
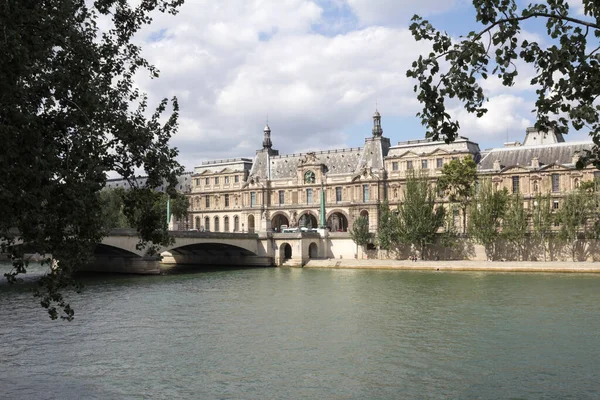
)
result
[(311, 86), (233, 62), (506, 113)]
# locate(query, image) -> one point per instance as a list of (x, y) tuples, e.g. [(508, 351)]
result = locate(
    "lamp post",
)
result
[(322, 223)]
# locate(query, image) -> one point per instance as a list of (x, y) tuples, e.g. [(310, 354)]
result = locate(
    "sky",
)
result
[(315, 70)]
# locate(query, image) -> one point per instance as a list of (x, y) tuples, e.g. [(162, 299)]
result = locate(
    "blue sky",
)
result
[(316, 68)]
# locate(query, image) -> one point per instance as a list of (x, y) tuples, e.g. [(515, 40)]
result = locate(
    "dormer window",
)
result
[(309, 177)]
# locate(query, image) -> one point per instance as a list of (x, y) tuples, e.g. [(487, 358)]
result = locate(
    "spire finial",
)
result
[(267, 144)]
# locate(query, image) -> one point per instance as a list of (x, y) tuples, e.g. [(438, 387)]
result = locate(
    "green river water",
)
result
[(308, 334)]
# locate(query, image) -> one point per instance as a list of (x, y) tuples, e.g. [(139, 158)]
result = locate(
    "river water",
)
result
[(308, 334)]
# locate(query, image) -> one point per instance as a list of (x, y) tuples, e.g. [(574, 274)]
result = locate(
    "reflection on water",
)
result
[(294, 333)]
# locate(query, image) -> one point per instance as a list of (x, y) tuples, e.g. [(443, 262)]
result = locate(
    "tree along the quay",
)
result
[(515, 224), (543, 220), (70, 113), (486, 214), (457, 182), (360, 233), (573, 218), (419, 216), (566, 61), (387, 229)]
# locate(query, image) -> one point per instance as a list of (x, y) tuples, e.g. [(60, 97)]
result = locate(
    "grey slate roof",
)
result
[(559, 153), (338, 161)]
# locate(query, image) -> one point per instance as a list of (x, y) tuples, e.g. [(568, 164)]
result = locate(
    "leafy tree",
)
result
[(360, 232), (515, 223), (111, 201), (486, 214), (457, 182), (419, 218), (448, 237), (543, 220), (387, 229), (69, 114), (573, 217), (566, 63)]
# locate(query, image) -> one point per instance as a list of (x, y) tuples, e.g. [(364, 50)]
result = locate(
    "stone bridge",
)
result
[(118, 252)]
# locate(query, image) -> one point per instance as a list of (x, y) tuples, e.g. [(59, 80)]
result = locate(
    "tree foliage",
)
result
[(360, 232), (543, 220), (419, 218), (70, 113), (457, 182), (566, 63), (387, 229), (515, 223), (486, 214), (573, 217)]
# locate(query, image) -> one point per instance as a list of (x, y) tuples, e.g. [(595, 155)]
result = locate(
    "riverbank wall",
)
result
[(461, 265)]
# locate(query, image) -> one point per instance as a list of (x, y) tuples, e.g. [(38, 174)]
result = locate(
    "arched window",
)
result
[(216, 224), (236, 224), (226, 224), (207, 224), (198, 223)]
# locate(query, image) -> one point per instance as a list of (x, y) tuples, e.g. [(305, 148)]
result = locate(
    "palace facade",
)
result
[(278, 192)]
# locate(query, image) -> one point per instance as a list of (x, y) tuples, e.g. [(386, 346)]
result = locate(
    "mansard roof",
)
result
[(338, 161), (428, 147), (557, 153)]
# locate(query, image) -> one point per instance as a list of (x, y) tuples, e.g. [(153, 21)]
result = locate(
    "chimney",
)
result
[(497, 165), (535, 162), (575, 158)]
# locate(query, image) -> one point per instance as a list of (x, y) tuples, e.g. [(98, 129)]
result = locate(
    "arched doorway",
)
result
[(308, 221), (313, 251), (279, 220), (250, 223), (286, 250), (337, 222)]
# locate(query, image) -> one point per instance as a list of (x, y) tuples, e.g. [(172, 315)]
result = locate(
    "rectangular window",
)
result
[(252, 199), (555, 183), (226, 180), (197, 181), (424, 164), (338, 194), (555, 205), (236, 179), (409, 165), (439, 162), (365, 193), (454, 158), (206, 181), (395, 166), (515, 184), (281, 197), (207, 201), (309, 196), (226, 200), (216, 180)]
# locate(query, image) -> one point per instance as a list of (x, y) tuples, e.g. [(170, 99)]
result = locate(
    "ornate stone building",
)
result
[(275, 192)]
